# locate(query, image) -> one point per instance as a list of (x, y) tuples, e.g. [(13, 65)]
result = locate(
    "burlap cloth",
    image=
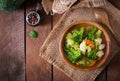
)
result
[(50, 48)]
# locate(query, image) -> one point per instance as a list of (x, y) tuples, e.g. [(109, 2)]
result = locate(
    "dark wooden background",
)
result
[(12, 55), (19, 54)]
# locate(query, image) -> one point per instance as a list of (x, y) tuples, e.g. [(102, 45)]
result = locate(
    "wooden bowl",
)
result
[(105, 37)]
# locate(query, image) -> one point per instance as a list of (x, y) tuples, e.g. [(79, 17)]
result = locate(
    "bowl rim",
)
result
[(107, 39)]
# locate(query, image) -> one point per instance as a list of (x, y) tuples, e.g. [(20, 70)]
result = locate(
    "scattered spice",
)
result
[(33, 18)]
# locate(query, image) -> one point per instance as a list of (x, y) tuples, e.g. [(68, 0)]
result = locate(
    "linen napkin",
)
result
[(50, 51)]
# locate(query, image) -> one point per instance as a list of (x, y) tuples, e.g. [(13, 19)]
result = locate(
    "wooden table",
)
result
[(19, 54)]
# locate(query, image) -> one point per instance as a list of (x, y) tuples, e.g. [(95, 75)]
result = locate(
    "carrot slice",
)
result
[(92, 46), (92, 64), (88, 41)]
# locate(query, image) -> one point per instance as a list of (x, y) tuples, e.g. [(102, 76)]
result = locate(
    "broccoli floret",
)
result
[(77, 55), (78, 35), (91, 33), (75, 46), (92, 54), (73, 55), (10, 5), (77, 38)]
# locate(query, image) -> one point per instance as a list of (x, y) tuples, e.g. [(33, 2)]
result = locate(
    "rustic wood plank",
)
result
[(115, 3), (4, 51), (12, 57), (56, 18), (17, 55), (37, 69), (59, 76), (114, 69)]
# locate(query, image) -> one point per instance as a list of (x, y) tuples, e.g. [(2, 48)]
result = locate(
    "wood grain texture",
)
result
[(59, 76), (102, 76), (37, 69), (113, 71), (115, 3), (12, 57)]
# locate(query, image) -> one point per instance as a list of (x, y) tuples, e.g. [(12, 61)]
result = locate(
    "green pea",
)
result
[(33, 34)]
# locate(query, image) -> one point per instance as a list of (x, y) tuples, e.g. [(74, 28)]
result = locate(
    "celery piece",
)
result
[(98, 33), (69, 36)]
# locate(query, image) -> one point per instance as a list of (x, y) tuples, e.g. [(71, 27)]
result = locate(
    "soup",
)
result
[(84, 45)]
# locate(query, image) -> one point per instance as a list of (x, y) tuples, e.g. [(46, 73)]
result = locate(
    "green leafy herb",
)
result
[(33, 34)]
